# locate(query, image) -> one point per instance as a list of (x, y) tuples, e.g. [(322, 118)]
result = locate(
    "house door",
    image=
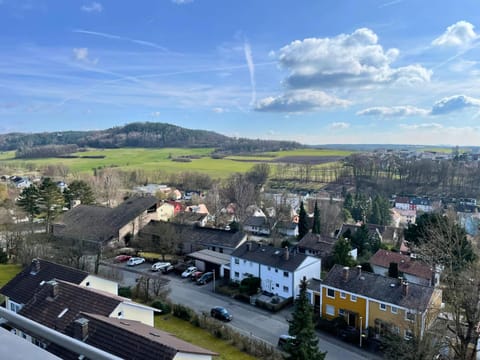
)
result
[(352, 319)]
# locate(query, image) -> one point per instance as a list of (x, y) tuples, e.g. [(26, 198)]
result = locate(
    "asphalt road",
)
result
[(247, 319)]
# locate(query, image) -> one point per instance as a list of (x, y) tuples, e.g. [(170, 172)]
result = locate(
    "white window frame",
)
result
[(382, 306), (285, 288), (330, 310), (237, 261), (343, 295), (353, 298), (331, 297), (394, 310), (236, 274), (408, 335), (410, 312)]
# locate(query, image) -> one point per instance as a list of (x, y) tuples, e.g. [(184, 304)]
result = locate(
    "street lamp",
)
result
[(361, 331)]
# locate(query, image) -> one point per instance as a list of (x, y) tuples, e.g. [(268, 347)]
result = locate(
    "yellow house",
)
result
[(376, 302)]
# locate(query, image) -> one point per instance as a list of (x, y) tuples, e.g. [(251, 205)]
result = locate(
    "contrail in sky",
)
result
[(251, 69)]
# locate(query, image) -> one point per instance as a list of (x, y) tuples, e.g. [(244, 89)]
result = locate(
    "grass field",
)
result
[(160, 159), (186, 331), (7, 272)]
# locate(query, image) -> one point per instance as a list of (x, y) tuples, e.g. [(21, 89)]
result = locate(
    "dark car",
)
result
[(285, 339), (205, 278), (221, 313)]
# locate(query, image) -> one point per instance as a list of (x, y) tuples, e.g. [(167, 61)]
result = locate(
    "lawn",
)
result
[(7, 272), (186, 331)]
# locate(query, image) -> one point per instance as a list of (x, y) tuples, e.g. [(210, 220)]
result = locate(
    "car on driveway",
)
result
[(285, 339), (161, 266), (219, 312), (135, 261), (205, 278), (196, 275), (189, 271)]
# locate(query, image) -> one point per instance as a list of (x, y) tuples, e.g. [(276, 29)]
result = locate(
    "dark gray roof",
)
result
[(322, 245), (258, 221), (99, 223), (199, 235), (20, 289), (270, 256), (130, 340), (380, 288)]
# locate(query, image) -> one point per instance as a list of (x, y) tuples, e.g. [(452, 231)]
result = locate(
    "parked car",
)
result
[(121, 258), (190, 270), (135, 261), (160, 266), (284, 339), (221, 313), (196, 275), (205, 278)]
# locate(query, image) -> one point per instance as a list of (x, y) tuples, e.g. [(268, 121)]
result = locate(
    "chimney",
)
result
[(287, 254), (359, 270), (80, 329), (405, 288), (249, 246), (55, 288), (345, 272), (35, 266)]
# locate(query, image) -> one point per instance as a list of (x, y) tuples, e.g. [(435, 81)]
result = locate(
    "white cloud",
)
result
[(251, 68), (393, 111), (459, 34), (354, 59), (155, 114), (81, 54), (463, 66), (181, 2), (339, 125), (454, 103), (218, 110), (299, 101), (425, 126), (93, 7)]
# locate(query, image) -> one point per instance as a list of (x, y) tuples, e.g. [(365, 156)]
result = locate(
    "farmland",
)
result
[(161, 159)]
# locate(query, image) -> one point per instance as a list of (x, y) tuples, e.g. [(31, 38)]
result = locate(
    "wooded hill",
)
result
[(154, 135)]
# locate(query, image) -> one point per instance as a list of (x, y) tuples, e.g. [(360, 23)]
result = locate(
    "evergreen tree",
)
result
[(348, 203), (50, 202), (301, 326), (302, 222), (341, 252), (360, 239), (79, 190), (316, 220), (28, 201)]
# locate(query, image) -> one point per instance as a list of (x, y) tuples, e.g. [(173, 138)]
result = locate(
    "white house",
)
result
[(279, 269)]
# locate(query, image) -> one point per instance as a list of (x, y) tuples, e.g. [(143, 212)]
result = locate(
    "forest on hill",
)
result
[(150, 135)]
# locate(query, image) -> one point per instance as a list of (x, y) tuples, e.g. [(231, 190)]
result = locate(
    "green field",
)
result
[(186, 331), (159, 159)]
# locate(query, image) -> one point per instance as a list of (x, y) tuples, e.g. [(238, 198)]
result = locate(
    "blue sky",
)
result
[(318, 72)]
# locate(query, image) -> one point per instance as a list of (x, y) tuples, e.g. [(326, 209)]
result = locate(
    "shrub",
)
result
[(163, 306), (182, 312), (250, 285), (125, 292)]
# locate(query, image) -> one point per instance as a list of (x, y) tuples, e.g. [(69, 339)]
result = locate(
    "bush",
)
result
[(3, 257), (182, 312), (250, 285), (163, 306), (125, 292)]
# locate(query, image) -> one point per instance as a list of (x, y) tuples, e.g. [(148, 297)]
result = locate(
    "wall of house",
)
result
[(12, 305), (380, 270), (398, 319), (132, 311), (239, 271), (434, 308), (190, 356), (310, 268), (138, 223), (359, 306), (277, 281), (99, 283), (165, 212)]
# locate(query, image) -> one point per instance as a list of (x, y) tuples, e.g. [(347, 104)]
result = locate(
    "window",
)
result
[(237, 274), (269, 268), (120, 314), (285, 289), (244, 261), (88, 283), (277, 285), (409, 316), (331, 293), (330, 310), (353, 298), (276, 270), (341, 312), (383, 307), (237, 261), (343, 295), (394, 310), (285, 274), (408, 335)]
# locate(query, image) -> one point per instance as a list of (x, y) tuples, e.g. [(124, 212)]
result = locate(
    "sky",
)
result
[(316, 72)]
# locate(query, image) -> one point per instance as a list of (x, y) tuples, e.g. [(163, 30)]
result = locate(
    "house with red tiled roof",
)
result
[(410, 269)]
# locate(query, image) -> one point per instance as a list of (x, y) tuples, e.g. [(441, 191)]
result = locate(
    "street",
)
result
[(247, 319)]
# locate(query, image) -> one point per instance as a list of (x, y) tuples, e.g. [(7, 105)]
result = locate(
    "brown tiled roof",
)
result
[(323, 245), (50, 310), (131, 340), (20, 289), (380, 288), (270, 256), (99, 223), (405, 263)]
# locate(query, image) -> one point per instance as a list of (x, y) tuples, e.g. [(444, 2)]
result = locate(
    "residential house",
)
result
[(410, 269), (316, 245), (193, 238), (376, 302), (279, 269), (20, 182), (386, 234), (166, 211), (403, 217), (177, 207), (422, 203), (287, 228), (19, 290), (104, 225), (259, 225), (139, 341), (191, 218)]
